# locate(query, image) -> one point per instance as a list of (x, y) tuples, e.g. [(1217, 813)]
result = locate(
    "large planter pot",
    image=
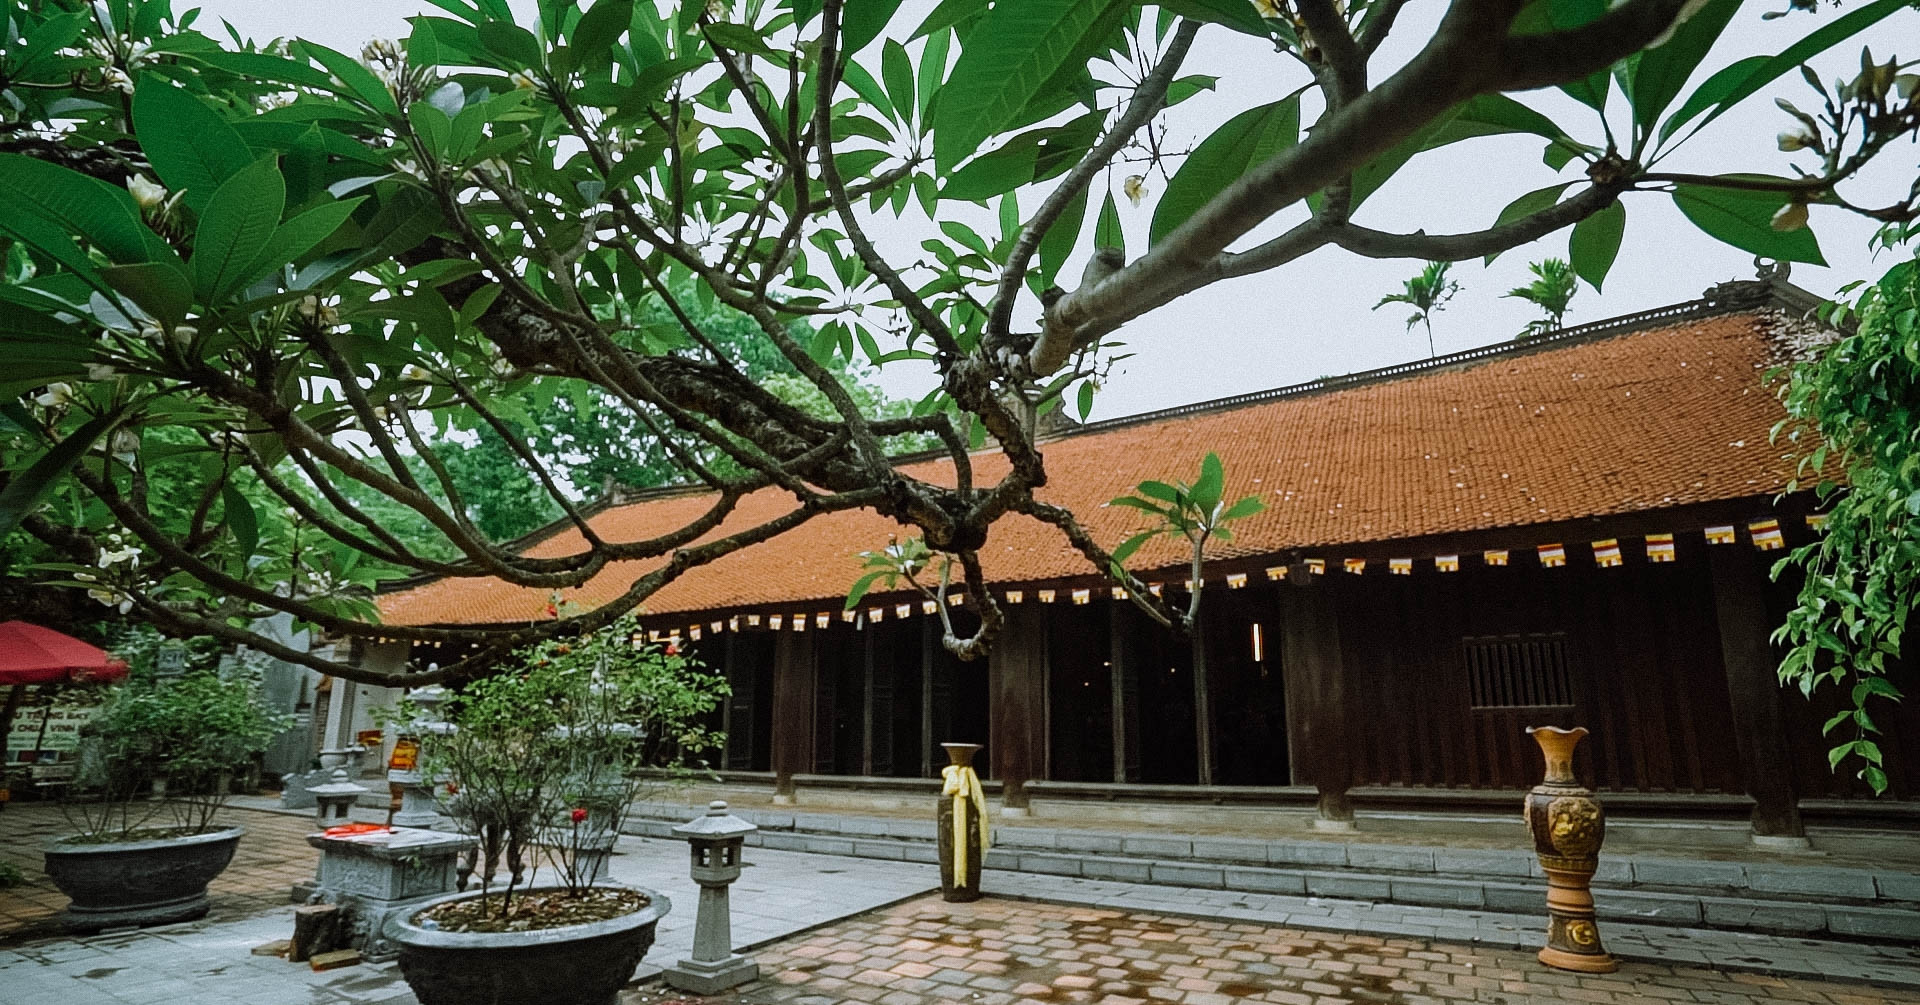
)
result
[(576, 965), (1567, 826), (138, 882)]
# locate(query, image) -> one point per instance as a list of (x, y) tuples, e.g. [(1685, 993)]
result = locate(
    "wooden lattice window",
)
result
[(1518, 671)]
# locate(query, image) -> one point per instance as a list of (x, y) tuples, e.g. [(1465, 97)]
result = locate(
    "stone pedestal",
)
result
[(381, 873), (418, 805)]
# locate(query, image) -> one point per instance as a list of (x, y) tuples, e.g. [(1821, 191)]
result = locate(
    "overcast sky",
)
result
[(1313, 317)]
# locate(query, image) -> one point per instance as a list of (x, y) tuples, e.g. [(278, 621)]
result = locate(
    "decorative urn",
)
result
[(1568, 826), (961, 825)]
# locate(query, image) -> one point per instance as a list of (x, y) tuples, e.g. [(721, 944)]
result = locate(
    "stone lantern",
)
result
[(715, 840), (419, 806)]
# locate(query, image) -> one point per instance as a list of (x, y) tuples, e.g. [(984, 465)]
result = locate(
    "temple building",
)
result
[(1575, 529)]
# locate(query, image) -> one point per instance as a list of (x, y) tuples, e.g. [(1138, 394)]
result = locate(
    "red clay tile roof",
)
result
[(1648, 419)]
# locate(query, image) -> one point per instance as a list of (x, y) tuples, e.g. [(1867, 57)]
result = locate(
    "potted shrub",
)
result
[(541, 764), (155, 766)]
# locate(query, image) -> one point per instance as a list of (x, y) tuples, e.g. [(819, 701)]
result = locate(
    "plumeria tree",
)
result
[(305, 266), (1851, 409)]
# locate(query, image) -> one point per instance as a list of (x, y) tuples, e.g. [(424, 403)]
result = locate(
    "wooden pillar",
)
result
[(729, 744), (1759, 724), (1017, 674), (793, 700), (1119, 684), (1202, 704), (870, 641), (929, 639), (1317, 721)]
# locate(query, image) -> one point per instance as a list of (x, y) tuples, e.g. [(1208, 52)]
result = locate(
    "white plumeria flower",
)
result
[(147, 193), (126, 443), (109, 559), (55, 396), (102, 371)]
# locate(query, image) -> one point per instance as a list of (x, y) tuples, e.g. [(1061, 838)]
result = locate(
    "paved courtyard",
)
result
[(1003, 952), (828, 928)]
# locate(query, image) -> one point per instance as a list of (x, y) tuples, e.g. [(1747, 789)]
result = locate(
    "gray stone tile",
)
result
[(1057, 865), (1767, 916), (1024, 837), (1083, 841), (1157, 847), (1451, 893), (816, 844), (1230, 850), (1632, 904), (1688, 872), (1875, 922), (1177, 874), (881, 849), (1480, 862), (1347, 886), (1812, 881), (1897, 885), (1394, 858), (1130, 870), (1310, 853), (1612, 871), (1513, 897), (1264, 880)]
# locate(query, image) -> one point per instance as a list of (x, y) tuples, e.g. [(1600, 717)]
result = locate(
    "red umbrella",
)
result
[(30, 654)]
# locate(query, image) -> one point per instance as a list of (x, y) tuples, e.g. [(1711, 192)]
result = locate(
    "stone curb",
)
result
[(1705, 877), (1460, 886)]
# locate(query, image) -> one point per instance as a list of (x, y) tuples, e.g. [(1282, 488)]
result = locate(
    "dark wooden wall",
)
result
[(1640, 640), (1648, 673)]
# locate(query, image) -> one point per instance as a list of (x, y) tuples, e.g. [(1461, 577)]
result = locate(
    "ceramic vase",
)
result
[(959, 885), (1568, 826)]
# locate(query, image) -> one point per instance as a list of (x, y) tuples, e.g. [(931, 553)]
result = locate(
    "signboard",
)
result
[(63, 724), (170, 661)]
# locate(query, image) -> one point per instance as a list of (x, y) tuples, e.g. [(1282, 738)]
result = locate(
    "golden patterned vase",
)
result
[(958, 823), (1568, 826)]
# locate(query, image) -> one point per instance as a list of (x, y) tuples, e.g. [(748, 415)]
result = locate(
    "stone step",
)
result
[(1706, 877), (1774, 899)]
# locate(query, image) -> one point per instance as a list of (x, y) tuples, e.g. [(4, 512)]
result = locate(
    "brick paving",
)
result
[(1005, 952), (272, 856)]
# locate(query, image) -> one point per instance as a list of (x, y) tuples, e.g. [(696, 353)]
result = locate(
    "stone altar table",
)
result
[(377, 873)]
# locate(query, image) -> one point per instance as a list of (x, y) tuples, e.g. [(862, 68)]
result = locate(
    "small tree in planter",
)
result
[(542, 761), (155, 767)]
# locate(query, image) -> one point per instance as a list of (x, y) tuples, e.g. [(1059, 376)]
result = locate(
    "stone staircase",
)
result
[(1771, 896)]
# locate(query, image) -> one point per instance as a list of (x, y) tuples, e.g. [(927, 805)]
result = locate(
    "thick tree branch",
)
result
[(1456, 64), (1147, 101)]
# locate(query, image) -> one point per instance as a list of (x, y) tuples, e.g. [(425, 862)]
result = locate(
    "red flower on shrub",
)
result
[(579, 814)]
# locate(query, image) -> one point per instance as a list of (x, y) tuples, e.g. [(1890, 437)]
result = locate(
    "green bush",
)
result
[(190, 734)]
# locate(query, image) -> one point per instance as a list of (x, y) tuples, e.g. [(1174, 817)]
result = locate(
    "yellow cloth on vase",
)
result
[(962, 785)]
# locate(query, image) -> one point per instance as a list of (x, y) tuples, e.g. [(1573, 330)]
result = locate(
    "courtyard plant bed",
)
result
[(155, 767), (540, 766)]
